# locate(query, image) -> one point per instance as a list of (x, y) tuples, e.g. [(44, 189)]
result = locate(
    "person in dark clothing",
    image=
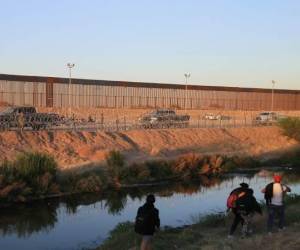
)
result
[(147, 221), (244, 208)]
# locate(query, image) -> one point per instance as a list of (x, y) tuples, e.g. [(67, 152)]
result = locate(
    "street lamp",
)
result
[(70, 66), (272, 101), (186, 75)]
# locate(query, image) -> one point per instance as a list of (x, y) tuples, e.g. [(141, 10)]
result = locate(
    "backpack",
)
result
[(142, 220), (232, 198), (269, 193)]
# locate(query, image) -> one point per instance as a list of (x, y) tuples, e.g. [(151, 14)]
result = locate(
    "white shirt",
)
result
[(278, 191)]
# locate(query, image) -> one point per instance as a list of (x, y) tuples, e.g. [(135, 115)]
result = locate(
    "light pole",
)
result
[(186, 75), (70, 66), (272, 101)]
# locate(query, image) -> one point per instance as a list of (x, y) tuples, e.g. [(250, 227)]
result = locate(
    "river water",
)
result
[(85, 221)]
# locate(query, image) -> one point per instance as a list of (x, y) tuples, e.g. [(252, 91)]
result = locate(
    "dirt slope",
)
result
[(75, 148)]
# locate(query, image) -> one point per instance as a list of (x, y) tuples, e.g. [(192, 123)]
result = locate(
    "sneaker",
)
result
[(270, 233), (281, 229), (230, 236)]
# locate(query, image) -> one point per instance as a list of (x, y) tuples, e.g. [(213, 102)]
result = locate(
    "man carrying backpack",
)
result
[(274, 193), (243, 205), (147, 221)]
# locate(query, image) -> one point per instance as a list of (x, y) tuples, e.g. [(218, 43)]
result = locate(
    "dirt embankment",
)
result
[(78, 148)]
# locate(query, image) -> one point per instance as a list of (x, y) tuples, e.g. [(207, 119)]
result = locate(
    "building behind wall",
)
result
[(54, 92)]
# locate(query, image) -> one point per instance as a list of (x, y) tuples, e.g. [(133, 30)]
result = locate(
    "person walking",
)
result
[(147, 221), (243, 205), (247, 206), (21, 121), (274, 196)]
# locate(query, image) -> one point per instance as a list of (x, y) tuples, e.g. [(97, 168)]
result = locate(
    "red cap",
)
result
[(277, 178)]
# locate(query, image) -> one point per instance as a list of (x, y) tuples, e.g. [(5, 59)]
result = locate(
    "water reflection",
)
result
[(41, 216), (25, 220)]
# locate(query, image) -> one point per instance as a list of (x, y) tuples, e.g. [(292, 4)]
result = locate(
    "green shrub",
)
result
[(238, 162), (148, 171), (8, 173), (229, 165), (30, 175), (27, 167), (115, 162), (159, 169), (32, 165), (291, 127), (135, 173), (129, 174)]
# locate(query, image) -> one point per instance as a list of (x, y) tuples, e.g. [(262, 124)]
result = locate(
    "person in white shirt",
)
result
[(274, 193)]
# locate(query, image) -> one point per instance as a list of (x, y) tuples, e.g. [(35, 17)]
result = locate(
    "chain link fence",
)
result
[(123, 124)]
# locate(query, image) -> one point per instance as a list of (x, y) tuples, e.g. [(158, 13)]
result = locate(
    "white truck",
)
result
[(266, 118)]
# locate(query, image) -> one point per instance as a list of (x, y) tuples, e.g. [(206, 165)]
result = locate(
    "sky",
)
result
[(245, 43)]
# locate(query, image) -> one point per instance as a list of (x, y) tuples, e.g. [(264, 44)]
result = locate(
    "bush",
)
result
[(8, 173), (148, 171), (135, 173), (238, 162), (29, 166), (159, 169), (229, 165), (31, 174), (115, 162), (291, 127)]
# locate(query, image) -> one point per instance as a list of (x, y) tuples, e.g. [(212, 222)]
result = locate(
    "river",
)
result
[(84, 221)]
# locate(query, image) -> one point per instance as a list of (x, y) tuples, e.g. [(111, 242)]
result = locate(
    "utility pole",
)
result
[(272, 101), (70, 66), (186, 75)]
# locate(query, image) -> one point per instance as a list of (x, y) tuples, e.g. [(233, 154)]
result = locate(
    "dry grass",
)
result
[(73, 149)]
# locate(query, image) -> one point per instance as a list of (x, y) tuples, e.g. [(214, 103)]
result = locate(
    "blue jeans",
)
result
[(275, 211)]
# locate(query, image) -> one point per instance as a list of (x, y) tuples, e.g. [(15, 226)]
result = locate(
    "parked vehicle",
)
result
[(163, 118), (266, 118), (27, 116), (211, 116)]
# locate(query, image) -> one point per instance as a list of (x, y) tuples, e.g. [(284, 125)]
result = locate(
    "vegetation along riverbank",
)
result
[(36, 176)]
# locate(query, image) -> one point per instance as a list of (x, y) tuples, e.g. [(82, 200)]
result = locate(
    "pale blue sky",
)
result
[(220, 42)]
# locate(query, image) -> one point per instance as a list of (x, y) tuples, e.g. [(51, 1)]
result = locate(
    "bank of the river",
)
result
[(212, 152), (210, 232), (83, 149), (35, 176)]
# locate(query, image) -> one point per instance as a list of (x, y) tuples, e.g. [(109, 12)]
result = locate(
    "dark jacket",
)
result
[(248, 204), (151, 215)]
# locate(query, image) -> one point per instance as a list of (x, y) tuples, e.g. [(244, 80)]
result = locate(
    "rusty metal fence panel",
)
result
[(25, 90)]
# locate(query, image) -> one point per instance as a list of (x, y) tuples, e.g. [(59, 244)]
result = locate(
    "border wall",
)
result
[(56, 92)]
